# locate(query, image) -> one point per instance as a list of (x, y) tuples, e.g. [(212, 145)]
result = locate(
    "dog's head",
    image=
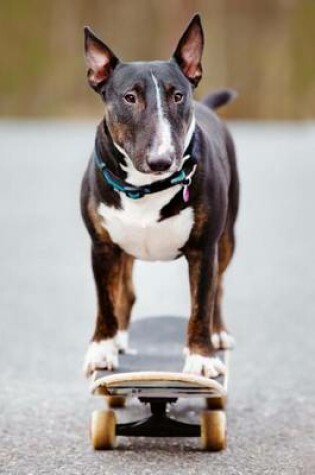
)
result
[(149, 105)]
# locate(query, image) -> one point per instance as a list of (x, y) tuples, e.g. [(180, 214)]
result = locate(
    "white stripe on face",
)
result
[(191, 130), (164, 137)]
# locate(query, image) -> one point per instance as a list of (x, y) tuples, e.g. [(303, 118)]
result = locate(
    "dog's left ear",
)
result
[(189, 51), (100, 60)]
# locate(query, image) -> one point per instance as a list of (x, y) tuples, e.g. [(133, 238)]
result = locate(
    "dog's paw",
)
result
[(101, 354), (222, 340), (122, 343), (207, 366)]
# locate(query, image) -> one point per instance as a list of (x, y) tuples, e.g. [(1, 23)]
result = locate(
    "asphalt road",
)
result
[(47, 310)]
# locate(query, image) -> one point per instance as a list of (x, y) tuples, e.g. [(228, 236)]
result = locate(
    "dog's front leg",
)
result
[(103, 350), (200, 358)]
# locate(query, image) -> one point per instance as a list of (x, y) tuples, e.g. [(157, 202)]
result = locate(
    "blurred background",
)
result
[(264, 49)]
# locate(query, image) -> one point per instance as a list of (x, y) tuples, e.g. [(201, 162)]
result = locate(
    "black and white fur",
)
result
[(150, 120)]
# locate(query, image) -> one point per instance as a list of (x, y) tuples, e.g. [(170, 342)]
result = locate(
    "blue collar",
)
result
[(182, 177)]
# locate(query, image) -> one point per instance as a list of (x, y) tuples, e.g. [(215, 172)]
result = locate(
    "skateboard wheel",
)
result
[(116, 401), (216, 402), (103, 430), (213, 430)]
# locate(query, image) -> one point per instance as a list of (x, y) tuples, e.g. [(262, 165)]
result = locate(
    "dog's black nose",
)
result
[(160, 164)]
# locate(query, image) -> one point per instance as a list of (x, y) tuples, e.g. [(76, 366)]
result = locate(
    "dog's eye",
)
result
[(178, 97), (131, 98)]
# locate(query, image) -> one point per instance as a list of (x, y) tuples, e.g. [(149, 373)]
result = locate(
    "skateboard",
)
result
[(149, 396)]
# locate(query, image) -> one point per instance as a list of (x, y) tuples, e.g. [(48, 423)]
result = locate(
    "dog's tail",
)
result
[(219, 98)]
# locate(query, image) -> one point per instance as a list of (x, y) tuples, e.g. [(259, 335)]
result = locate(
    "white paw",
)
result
[(222, 340), (207, 366), (122, 343), (122, 340), (101, 354)]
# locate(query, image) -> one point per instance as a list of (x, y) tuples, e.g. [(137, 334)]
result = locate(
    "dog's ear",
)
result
[(189, 51), (100, 60)]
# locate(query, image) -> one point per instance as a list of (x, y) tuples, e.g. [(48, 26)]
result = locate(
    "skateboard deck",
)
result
[(153, 377)]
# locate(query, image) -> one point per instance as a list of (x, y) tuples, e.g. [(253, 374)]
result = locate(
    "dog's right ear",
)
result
[(100, 60), (189, 51)]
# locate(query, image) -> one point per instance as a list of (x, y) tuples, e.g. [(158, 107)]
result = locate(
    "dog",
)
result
[(161, 183)]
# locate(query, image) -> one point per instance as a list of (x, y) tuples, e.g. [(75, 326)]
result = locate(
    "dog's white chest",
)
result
[(136, 229)]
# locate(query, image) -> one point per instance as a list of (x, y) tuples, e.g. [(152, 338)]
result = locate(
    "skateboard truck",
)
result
[(158, 424)]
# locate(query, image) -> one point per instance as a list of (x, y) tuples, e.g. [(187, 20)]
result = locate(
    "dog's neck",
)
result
[(105, 148)]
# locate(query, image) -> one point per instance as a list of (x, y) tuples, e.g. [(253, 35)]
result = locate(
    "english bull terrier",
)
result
[(161, 183)]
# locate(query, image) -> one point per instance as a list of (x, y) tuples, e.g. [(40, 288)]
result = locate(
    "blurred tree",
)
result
[(264, 49)]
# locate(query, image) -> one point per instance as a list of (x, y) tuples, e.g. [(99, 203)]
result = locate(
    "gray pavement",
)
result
[(47, 310)]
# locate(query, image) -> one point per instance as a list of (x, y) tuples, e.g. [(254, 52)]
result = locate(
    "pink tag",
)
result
[(186, 194)]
